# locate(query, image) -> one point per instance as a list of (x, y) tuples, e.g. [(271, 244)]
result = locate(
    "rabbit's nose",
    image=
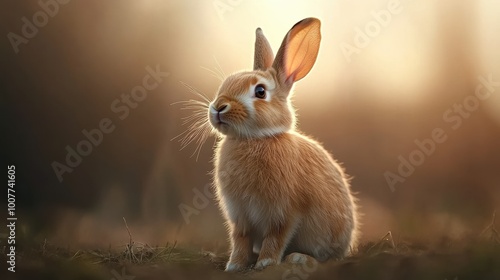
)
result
[(222, 108)]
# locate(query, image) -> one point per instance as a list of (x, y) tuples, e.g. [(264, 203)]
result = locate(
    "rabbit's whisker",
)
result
[(191, 133), (215, 74), (197, 92), (219, 68), (198, 126), (192, 102)]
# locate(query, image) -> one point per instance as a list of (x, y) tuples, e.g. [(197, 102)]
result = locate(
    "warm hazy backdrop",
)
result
[(390, 76)]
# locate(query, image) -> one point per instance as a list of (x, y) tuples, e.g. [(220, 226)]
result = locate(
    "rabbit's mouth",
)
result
[(219, 119), (222, 127), (218, 122)]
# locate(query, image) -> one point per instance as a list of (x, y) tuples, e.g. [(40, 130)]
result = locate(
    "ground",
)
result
[(468, 258)]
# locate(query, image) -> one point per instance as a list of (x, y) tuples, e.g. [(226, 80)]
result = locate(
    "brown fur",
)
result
[(279, 190)]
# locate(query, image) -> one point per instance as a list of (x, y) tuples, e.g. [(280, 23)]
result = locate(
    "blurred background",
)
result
[(388, 73)]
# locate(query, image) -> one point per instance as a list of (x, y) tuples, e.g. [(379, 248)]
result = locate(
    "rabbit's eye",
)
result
[(260, 91)]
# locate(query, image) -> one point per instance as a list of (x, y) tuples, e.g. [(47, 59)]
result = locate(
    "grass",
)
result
[(388, 258)]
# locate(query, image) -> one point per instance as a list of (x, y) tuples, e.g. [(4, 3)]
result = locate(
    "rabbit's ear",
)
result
[(263, 57), (298, 51)]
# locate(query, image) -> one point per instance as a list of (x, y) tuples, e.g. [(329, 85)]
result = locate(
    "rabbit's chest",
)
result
[(253, 182), (256, 211)]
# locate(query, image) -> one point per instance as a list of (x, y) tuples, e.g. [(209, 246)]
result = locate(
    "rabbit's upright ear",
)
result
[(298, 51), (263, 57)]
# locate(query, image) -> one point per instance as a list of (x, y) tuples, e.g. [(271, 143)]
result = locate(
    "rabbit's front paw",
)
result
[(263, 263), (234, 267)]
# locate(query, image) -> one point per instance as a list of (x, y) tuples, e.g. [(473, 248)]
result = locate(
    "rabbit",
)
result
[(279, 190)]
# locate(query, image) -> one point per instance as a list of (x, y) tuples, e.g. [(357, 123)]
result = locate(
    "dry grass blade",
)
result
[(386, 239), (44, 245), (169, 255), (130, 246), (76, 255), (494, 235)]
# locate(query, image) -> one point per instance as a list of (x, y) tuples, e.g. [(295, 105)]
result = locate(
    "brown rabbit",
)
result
[(279, 190)]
